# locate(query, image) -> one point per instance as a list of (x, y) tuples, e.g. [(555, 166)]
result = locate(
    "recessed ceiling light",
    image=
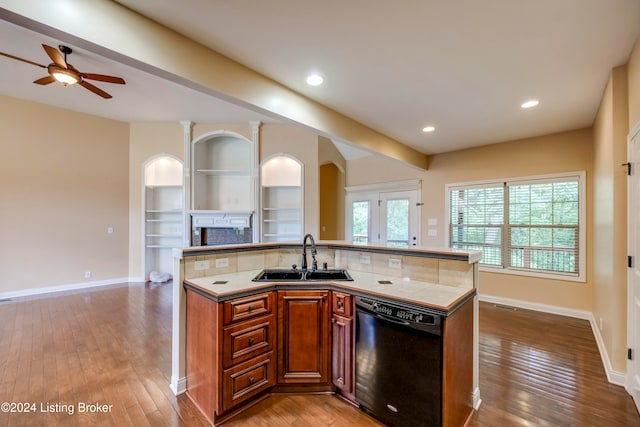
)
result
[(529, 104), (428, 129), (314, 79)]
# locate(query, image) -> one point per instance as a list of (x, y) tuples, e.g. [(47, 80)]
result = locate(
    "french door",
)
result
[(389, 218)]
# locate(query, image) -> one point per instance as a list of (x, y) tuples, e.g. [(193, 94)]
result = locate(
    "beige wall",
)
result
[(563, 152), (610, 217), (63, 181), (328, 157), (633, 70)]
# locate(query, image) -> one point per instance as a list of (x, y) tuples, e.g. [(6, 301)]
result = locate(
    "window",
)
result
[(524, 226), (360, 222)]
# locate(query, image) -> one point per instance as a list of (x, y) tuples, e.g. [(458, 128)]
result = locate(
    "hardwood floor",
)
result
[(111, 346)]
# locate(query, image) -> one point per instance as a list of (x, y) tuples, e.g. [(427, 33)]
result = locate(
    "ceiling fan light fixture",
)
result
[(63, 75), (66, 78)]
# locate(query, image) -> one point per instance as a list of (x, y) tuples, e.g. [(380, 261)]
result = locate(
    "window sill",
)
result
[(536, 275)]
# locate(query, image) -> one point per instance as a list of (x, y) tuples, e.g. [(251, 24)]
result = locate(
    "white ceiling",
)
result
[(463, 66)]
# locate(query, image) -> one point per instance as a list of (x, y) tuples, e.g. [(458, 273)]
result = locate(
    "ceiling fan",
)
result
[(60, 70)]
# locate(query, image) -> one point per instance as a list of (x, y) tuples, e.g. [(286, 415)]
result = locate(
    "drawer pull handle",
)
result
[(250, 308), (251, 380), (251, 341)]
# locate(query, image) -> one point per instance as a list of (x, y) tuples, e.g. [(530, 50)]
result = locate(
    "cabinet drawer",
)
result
[(248, 379), (248, 339), (341, 304), (247, 307)]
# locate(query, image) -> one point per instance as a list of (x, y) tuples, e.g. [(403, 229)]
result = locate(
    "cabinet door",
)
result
[(303, 337), (342, 354)]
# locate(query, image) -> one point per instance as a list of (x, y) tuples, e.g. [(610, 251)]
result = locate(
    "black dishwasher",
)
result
[(398, 363)]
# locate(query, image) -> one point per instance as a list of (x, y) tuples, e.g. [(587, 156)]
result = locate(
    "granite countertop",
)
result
[(443, 298)]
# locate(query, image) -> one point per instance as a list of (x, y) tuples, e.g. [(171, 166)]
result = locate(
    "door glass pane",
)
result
[(360, 212), (398, 223)]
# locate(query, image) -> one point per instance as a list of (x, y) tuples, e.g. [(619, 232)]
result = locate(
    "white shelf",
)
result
[(282, 209), (223, 172)]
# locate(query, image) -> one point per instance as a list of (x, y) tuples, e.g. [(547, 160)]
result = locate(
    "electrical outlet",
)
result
[(395, 263), (201, 265), (222, 262), (87, 275), (365, 259)]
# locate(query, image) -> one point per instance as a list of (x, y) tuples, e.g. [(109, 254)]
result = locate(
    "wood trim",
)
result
[(457, 366), (202, 358)]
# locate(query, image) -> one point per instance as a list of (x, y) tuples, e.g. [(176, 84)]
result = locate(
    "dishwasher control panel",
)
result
[(397, 311)]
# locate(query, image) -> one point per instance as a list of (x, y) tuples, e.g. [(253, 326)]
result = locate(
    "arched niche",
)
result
[(163, 212), (282, 198)]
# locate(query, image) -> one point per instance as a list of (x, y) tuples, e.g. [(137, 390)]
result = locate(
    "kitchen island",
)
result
[(235, 340)]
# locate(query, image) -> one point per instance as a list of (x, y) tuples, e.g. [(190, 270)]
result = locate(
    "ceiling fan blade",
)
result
[(94, 89), (55, 56), (45, 80), (22, 59), (103, 78)]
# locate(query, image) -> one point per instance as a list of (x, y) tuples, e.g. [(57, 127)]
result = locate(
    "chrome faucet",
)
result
[(314, 252)]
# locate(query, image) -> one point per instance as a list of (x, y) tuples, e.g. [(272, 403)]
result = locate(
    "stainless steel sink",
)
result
[(289, 275)]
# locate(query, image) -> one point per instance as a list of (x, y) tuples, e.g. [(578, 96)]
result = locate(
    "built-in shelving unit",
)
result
[(222, 179), (282, 199), (164, 213)]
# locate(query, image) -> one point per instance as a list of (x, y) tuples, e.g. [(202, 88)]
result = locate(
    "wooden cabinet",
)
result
[(457, 366), (303, 337), (230, 351), (342, 347), (299, 341)]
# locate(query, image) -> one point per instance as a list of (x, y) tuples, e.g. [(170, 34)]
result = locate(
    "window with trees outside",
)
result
[(525, 226)]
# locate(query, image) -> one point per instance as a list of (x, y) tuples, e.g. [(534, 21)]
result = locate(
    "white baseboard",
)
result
[(476, 399), (60, 288), (545, 308), (178, 385), (614, 377)]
